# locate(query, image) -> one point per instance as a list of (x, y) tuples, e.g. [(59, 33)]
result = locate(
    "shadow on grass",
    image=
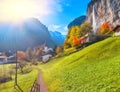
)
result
[(17, 87)]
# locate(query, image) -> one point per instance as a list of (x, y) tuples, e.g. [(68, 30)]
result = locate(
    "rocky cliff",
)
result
[(104, 10)]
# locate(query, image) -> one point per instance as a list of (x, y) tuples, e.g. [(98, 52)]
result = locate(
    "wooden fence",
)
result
[(35, 87)]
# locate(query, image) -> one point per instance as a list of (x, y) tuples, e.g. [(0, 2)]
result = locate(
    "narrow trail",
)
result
[(43, 87)]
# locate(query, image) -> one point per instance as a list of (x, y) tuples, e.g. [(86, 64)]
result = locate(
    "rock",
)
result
[(105, 11)]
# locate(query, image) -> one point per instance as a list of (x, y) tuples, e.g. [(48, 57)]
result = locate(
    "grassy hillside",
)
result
[(95, 68)]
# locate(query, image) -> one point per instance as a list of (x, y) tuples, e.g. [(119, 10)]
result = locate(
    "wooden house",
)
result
[(116, 31)]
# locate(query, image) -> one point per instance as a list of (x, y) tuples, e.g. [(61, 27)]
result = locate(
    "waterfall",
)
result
[(94, 20)]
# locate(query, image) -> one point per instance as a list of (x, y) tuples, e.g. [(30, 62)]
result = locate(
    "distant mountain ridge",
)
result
[(57, 37), (77, 22), (28, 33)]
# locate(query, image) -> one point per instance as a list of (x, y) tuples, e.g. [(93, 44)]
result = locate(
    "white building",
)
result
[(46, 57), (47, 50), (3, 59), (117, 34)]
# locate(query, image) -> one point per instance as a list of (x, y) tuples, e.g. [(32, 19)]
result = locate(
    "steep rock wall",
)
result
[(105, 11)]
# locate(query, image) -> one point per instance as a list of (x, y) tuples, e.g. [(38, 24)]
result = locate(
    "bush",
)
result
[(59, 49), (67, 52), (25, 70), (5, 77)]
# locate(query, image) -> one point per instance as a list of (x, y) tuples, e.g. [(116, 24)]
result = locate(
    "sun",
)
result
[(18, 12), (15, 10)]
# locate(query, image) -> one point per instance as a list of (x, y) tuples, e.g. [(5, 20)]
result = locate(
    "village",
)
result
[(40, 53)]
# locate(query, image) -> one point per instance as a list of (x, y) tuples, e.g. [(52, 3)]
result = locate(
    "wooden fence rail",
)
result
[(35, 87)]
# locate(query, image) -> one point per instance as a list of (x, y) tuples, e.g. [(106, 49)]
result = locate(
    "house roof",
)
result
[(116, 28), (2, 57)]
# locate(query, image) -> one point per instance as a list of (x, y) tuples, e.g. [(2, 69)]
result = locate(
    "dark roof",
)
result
[(116, 28)]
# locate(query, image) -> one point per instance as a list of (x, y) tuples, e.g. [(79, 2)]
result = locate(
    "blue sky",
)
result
[(55, 14), (70, 9)]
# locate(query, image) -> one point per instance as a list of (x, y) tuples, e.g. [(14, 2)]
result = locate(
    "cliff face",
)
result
[(104, 10)]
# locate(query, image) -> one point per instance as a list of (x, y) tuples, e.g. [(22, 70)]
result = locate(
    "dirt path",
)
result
[(43, 87)]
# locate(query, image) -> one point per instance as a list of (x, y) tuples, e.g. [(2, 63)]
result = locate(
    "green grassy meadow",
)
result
[(95, 68), (25, 81)]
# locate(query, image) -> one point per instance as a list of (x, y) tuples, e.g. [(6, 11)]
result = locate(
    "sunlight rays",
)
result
[(15, 10)]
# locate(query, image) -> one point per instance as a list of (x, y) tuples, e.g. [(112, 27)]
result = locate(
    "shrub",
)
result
[(59, 49), (25, 70), (5, 77)]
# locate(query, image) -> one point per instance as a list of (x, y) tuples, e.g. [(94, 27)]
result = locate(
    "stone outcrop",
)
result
[(105, 11)]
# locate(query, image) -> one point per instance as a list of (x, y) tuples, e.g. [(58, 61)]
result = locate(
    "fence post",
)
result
[(35, 87)]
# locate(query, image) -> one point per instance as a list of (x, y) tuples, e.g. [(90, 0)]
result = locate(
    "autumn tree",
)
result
[(21, 55), (76, 42), (105, 28), (75, 33), (85, 28), (66, 45), (59, 49), (29, 53)]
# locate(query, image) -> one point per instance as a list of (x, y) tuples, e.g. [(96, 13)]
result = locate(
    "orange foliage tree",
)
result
[(75, 33), (21, 55), (76, 41), (105, 28)]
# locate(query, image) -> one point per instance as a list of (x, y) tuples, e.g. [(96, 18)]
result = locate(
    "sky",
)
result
[(55, 14)]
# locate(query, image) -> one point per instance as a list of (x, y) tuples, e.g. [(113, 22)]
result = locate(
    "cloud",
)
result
[(15, 9), (49, 6), (54, 27), (60, 28), (66, 28)]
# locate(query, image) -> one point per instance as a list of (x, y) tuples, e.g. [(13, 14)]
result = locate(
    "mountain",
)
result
[(104, 11), (28, 33), (57, 37), (77, 22)]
